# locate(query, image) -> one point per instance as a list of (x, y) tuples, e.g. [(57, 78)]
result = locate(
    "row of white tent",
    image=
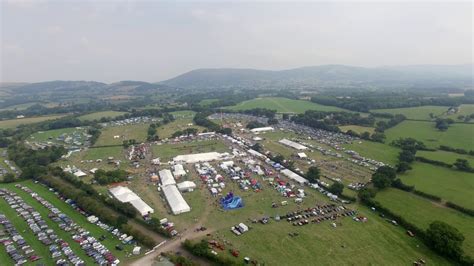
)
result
[(124, 194), (172, 193)]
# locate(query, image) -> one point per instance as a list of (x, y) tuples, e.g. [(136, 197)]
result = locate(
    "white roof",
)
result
[(199, 157), (290, 174), (141, 206), (293, 144), (185, 185), (124, 194), (79, 173), (166, 177), (175, 200), (302, 155), (178, 170), (261, 129)]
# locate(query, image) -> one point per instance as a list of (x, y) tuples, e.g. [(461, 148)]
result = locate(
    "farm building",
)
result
[(261, 129), (200, 157), (178, 170), (293, 144), (124, 194), (186, 186), (166, 177), (176, 201), (295, 177)]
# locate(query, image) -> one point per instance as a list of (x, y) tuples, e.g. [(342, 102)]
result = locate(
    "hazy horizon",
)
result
[(113, 41)]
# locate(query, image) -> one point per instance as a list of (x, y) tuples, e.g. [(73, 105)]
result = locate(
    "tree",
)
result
[(313, 174), (462, 164), (378, 137), (272, 121), (381, 181), (387, 171), (406, 156), (403, 166), (365, 135), (445, 239), (257, 147), (286, 117), (366, 194), (8, 178), (254, 124), (336, 188)]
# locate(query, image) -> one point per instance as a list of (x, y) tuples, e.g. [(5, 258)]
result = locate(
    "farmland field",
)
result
[(183, 114), (99, 115), (419, 112), (422, 212), (126, 132), (374, 150), (449, 184), (284, 105), (51, 135), (457, 135), (12, 123), (167, 151), (357, 129), (166, 131), (445, 156), (376, 241)]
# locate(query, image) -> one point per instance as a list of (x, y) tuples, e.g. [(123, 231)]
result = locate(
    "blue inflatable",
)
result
[(230, 202)]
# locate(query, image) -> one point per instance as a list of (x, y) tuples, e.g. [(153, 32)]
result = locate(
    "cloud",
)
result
[(12, 49), (24, 3), (54, 30), (211, 16)]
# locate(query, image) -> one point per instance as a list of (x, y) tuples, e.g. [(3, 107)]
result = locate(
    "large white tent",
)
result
[(166, 177), (124, 194), (175, 200), (293, 144), (292, 175), (200, 157), (186, 186), (261, 129)]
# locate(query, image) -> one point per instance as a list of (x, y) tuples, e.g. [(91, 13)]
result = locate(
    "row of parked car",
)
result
[(59, 249), (91, 246), (14, 243)]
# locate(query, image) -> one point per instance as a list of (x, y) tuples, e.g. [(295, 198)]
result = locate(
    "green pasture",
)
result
[(357, 129), (284, 105), (99, 115), (457, 135), (13, 123), (126, 132), (450, 185), (419, 112), (422, 212), (375, 150), (445, 156)]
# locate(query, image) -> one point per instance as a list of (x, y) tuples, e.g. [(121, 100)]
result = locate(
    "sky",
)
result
[(109, 41)]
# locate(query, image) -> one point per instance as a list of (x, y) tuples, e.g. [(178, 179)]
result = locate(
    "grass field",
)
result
[(422, 212), (207, 102), (457, 135), (13, 123), (450, 185), (419, 113), (99, 115), (445, 156), (51, 135), (357, 129), (377, 151), (167, 151), (464, 109), (375, 242), (183, 114), (103, 153), (284, 105), (137, 132), (166, 131)]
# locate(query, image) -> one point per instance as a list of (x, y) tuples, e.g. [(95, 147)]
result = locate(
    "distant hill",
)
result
[(328, 76)]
